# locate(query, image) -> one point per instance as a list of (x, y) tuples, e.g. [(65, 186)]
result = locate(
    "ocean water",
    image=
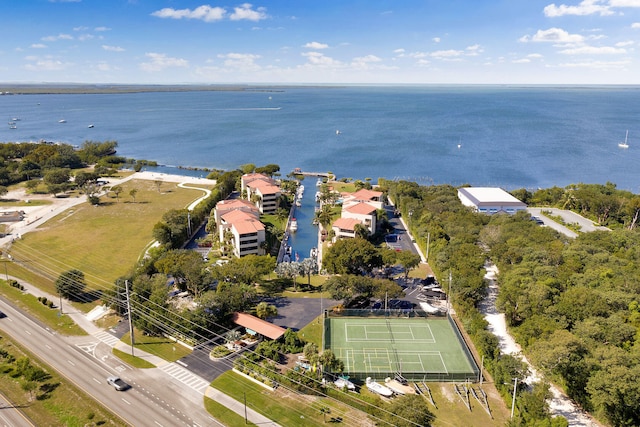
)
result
[(505, 136)]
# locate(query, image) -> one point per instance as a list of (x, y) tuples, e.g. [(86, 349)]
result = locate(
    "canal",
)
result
[(305, 238)]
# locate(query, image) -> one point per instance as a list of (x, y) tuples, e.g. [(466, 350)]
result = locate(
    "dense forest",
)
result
[(573, 304)]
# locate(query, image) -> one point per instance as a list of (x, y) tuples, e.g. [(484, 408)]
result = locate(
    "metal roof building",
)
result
[(490, 200)]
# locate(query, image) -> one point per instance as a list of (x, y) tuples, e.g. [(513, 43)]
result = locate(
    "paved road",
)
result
[(11, 416), (86, 362)]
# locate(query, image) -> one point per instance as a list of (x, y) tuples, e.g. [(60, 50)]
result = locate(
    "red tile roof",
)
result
[(364, 194), (243, 222), (346, 223), (361, 209), (262, 327)]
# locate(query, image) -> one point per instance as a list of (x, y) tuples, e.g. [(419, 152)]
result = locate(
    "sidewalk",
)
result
[(83, 321)]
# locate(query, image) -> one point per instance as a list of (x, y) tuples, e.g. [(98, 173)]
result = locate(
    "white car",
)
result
[(118, 383)]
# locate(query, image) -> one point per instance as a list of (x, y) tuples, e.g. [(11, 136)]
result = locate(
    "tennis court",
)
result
[(419, 348)]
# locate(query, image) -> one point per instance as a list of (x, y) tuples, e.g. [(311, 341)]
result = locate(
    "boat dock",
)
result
[(298, 171)]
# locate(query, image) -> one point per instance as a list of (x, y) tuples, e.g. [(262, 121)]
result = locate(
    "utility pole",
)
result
[(513, 402), (130, 314), (428, 241)]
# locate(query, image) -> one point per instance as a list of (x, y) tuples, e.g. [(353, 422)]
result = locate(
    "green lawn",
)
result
[(50, 316), (64, 406), (162, 347), (282, 406), (104, 241)]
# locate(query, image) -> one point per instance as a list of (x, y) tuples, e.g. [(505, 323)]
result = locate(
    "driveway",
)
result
[(569, 217), (296, 313)]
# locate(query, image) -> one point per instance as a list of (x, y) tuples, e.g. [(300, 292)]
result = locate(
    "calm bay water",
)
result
[(505, 136)]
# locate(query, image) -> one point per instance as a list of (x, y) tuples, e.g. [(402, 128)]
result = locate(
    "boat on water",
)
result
[(343, 382), (298, 203), (378, 388), (624, 144), (90, 126), (62, 121), (338, 132), (319, 182), (294, 225), (13, 127)]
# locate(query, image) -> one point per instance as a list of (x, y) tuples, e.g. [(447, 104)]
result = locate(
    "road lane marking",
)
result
[(98, 381), (27, 332), (72, 364), (48, 346), (126, 401)]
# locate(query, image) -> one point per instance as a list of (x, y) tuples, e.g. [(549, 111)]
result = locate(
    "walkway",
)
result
[(559, 404)]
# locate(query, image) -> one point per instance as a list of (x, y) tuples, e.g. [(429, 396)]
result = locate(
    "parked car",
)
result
[(118, 383)]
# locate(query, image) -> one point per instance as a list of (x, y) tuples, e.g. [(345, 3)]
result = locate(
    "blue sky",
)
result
[(321, 41)]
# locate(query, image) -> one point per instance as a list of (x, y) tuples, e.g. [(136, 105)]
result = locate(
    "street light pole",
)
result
[(513, 402)]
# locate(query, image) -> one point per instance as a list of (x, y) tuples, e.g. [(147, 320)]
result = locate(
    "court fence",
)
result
[(471, 376)]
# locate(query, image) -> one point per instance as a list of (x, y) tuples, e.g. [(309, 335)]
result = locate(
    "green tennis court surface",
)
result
[(418, 348)]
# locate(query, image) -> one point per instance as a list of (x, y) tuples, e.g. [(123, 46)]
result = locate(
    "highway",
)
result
[(155, 398)]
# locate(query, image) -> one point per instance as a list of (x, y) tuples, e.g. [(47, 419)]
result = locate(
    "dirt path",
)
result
[(560, 404)]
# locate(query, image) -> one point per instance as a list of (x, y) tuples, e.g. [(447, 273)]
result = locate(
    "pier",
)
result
[(298, 171)]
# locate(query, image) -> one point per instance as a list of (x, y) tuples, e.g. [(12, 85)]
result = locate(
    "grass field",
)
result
[(103, 241), (419, 348)]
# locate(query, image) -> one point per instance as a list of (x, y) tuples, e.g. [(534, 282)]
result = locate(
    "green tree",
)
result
[(133, 193), (408, 411), (71, 284), (408, 260), (265, 310), (117, 190), (56, 180), (351, 256)]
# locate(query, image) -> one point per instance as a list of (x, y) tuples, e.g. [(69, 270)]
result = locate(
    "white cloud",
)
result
[(624, 3), (85, 37), (112, 48), (635, 25), (534, 56), (316, 45), (596, 64), (418, 55), (160, 61), (593, 50), (367, 58), (555, 35), (241, 61), (101, 29), (399, 51), (446, 53), (436, 39), (586, 7), (474, 50), (80, 28), (319, 59), (245, 12), (58, 37), (625, 43), (47, 64), (521, 61), (204, 13), (38, 46)]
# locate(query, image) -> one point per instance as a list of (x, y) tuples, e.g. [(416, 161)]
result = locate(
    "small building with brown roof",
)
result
[(258, 325)]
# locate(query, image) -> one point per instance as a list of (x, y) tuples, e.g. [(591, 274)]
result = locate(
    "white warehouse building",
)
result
[(490, 200)]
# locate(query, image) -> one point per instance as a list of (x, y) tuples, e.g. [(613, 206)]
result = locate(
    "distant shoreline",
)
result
[(85, 89)]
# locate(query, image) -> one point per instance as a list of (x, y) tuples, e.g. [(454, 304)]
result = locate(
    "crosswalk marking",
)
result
[(107, 338), (184, 376)]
